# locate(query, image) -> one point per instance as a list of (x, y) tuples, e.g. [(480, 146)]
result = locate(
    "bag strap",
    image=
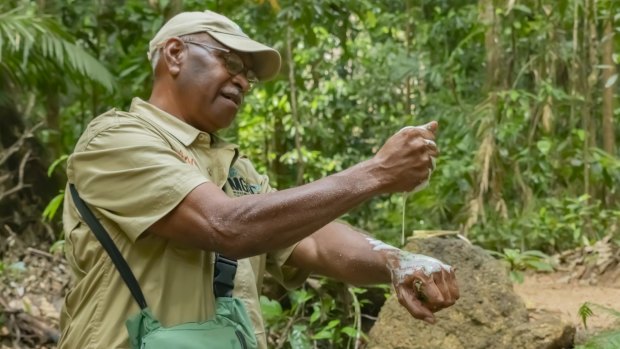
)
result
[(109, 246), (224, 278), (225, 268)]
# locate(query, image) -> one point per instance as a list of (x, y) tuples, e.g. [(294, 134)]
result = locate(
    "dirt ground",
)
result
[(554, 292)]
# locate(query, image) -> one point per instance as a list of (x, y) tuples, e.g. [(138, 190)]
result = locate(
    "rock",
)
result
[(489, 313), (544, 330)]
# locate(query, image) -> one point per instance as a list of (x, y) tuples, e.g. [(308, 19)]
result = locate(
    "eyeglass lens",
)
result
[(235, 65)]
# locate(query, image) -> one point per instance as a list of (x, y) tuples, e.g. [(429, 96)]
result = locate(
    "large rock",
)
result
[(489, 313)]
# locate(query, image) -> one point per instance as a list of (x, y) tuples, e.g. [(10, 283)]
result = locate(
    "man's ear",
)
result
[(174, 53)]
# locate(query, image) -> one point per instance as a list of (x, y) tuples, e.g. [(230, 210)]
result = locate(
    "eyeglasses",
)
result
[(233, 63)]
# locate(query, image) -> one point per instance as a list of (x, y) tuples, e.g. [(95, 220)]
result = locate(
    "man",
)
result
[(170, 193)]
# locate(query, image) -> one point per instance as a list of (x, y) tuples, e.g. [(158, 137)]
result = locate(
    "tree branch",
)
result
[(20, 184), (6, 154)]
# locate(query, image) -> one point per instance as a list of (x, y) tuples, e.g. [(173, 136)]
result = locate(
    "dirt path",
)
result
[(552, 292)]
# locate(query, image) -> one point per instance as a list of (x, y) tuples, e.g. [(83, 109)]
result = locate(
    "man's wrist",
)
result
[(365, 177)]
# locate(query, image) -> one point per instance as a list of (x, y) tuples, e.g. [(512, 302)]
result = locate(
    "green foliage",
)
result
[(316, 317), (55, 164), (55, 203), (584, 313), (57, 247), (32, 44), (52, 207), (520, 261), (605, 340), (13, 271), (553, 224)]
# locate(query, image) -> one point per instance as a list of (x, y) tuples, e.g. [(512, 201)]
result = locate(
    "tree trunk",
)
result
[(293, 102), (408, 48), (609, 72), (491, 44), (489, 108), (279, 147)]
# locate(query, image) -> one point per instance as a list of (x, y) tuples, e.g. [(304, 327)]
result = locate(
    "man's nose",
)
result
[(241, 81)]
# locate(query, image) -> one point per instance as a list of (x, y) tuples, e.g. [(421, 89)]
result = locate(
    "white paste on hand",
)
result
[(380, 245), (409, 263)]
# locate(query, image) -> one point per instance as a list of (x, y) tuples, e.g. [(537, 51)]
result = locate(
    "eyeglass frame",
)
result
[(247, 72)]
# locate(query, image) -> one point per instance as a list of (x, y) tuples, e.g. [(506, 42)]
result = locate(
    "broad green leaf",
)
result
[(540, 266), (516, 276), (271, 309), (298, 337), (349, 331), (544, 146)]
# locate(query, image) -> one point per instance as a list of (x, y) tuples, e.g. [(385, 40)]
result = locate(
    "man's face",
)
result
[(209, 95)]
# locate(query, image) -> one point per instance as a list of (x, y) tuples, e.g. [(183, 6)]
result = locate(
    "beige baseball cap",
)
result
[(265, 60)]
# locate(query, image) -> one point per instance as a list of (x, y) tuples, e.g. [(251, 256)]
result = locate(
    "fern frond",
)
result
[(25, 37), (584, 313)]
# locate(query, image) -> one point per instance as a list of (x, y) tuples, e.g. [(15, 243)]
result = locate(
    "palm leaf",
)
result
[(33, 42)]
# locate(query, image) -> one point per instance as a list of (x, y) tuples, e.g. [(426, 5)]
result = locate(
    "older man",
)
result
[(170, 193)]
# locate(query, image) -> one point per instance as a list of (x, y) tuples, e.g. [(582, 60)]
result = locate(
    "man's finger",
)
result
[(443, 280), (432, 295), (431, 143), (407, 298), (431, 126), (426, 131)]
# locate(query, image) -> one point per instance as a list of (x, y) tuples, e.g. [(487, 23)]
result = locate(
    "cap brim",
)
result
[(265, 60)]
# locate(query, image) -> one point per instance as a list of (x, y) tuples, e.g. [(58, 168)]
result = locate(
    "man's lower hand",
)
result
[(423, 285)]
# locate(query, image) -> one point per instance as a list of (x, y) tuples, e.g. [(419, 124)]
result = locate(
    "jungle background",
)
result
[(525, 92)]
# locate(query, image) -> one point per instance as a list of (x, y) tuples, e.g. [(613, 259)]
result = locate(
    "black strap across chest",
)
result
[(224, 270)]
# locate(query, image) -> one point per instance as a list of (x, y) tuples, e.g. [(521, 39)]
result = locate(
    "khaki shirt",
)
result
[(132, 168)]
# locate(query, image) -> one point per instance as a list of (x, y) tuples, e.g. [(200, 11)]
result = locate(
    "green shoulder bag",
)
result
[(230, 329)]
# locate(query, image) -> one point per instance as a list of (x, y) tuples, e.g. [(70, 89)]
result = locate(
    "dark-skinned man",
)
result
[(170, 193)]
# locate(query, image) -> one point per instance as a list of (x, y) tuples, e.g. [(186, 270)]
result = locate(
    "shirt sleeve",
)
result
[(287, 276), (131, 175)]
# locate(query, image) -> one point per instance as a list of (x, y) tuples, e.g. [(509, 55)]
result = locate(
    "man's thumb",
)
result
[(431, 126)]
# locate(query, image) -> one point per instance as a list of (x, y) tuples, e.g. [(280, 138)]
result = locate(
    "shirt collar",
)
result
[(184, 132), (179, 129)]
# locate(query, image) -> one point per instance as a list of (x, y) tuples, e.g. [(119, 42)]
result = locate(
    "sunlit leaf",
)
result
[(611, 81)]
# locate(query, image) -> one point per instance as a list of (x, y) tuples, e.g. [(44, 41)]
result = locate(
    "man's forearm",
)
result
[(343, 253), (422, 284), (254, 224), (274, 220)]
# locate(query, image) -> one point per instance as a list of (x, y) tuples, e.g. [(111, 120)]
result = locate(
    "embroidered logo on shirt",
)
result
[(239, 186), (186, 158)]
